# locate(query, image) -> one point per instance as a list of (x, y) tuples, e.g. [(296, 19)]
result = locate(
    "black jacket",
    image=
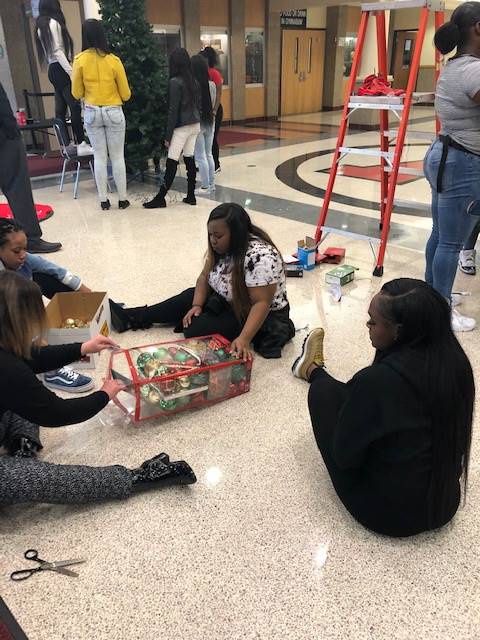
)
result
[(8, 125), (181, 109), (22, 392), (384, 437)]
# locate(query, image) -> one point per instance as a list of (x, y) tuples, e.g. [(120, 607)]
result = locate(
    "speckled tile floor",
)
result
[(260, 547)]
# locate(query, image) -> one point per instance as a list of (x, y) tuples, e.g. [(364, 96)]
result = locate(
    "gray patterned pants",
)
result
[(30, 480)]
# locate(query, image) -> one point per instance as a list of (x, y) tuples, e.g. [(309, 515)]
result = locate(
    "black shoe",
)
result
[(37, 245), (190, 200), (123, 204), (160, 472), (125, 319), (158, 201), (105, 205), (23, 448)]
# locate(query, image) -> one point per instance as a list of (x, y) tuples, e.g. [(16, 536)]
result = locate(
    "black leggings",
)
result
[(215, 148), (173, 310), (49, 285), (219, 317), (63, 99)]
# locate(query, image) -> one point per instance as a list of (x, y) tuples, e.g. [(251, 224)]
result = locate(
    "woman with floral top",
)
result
[(240, 293)]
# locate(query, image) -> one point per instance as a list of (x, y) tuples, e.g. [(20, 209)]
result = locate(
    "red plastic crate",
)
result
[(168, 377)]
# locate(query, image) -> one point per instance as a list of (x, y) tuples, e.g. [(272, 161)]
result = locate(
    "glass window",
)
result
[(348, 51), (218, 39), (168, 38), (254, 44)]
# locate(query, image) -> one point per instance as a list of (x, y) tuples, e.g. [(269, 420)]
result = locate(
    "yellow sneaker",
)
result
[(312, 353)]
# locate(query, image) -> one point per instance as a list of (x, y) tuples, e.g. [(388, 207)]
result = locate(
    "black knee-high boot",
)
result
[(191, 179), (170, 173)]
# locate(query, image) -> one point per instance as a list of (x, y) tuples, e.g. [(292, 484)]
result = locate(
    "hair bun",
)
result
[(447, 37)]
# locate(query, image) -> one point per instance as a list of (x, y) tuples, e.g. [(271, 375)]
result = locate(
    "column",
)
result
[(237, 57), (91, 9), (191, 25), (273, 66)]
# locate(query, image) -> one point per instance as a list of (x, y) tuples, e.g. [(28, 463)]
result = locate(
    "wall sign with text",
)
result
[(293, 19)]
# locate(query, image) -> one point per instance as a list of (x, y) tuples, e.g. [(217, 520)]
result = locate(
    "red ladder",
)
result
[(389, 160)]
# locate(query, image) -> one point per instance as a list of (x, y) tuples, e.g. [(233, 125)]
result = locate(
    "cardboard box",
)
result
[(306, 253), (169, 377), (92, 308), (341, 275)]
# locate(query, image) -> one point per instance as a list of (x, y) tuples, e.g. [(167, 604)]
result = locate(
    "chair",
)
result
[(69, 157), (40, 123)]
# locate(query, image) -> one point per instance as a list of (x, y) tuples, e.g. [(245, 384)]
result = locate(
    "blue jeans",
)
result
[(455, 212), (106, 131), (204, 157)]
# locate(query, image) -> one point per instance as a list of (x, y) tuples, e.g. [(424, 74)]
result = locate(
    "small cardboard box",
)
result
[(306, 253), (92, 308), (341, 275)]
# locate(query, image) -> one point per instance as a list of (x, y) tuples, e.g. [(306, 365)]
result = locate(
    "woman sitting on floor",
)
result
[(25, 403), (241, 292), (396, 438), (51, 279)]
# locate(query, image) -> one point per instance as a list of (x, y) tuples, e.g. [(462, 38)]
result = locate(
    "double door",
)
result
[(303, 53)]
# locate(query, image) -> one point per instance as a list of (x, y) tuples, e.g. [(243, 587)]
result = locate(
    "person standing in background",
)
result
[(15, 181), (55, 48), (216, 77), (183, 127), (99, 78), (203, 145)]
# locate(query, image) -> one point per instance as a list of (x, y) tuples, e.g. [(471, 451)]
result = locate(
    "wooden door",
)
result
[(403, 53), (302, 71)]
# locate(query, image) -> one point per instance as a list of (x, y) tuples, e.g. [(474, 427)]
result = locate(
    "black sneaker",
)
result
[(37, 245)]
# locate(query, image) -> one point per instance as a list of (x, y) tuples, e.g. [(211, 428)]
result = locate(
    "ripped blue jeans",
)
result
[(455, 213)]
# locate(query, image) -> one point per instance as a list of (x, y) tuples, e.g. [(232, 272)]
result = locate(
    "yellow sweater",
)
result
[(99, 79)]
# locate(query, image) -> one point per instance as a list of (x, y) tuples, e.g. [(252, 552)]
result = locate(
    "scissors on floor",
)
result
[(59, 567)]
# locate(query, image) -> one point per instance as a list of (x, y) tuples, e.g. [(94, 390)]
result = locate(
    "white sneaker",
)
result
[(462, 323), (202, 191), (84, 149), (213, 188), (466, 261)]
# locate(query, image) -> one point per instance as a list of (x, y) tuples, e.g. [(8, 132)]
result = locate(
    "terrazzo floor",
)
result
[(260, 547)]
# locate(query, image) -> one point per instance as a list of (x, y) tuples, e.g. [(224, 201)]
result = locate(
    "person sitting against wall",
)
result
[(51, 279), (396, 438), (25, 403), (241, 292), (99, 78)]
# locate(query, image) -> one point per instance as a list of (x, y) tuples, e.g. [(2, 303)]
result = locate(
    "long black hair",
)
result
[(211, 56), (48, 9), (94, 37), (200, 73), (456, 32), (242, 230), (423, 315), (180, 66)]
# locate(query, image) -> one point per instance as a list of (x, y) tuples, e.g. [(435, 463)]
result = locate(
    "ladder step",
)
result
[(393, 103), (350, 234), (407, 171), (375, 153), (433, 5), (411, 204), (415, 135)]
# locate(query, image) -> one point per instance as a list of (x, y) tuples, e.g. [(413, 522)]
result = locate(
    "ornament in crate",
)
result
[(169, 377)]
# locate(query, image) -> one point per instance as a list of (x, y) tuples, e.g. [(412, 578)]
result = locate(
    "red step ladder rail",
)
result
[(384, 141), (362, 32), (402, 130)]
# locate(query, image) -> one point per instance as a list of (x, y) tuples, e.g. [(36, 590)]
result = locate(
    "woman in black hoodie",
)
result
[(396, 438)]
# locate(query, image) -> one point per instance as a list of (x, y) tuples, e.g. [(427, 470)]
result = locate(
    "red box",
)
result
[(168, 377)]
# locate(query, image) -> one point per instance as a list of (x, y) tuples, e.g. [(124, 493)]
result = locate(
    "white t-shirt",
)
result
[(58, 49), (263, 266)]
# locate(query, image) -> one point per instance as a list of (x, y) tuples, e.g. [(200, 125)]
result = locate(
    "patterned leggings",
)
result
[(30, 480)]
